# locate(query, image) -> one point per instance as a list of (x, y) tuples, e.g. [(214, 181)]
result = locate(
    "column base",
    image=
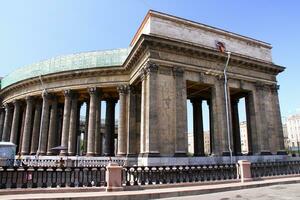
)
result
[(109, 154), (282, 152), (199, 155), (226, 153), (41, 153), (121, 155), (50, 154), (238, 154), (131, 155), (150, 155), (24, 153), (90, 154), (180, 154), (266, 153)]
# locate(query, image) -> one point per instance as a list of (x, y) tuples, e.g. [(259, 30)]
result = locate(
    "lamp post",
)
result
[(221, 47), (227, 106)]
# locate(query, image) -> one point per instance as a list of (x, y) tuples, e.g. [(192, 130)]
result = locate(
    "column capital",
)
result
[(16, 102), (29, 99), (178, 71), (274, 87), (151, 68), (123, 89), (132, 89), (68, 93), (46, 94), (260, 85), (93, 90)]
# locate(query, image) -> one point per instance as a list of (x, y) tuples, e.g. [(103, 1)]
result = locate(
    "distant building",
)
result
[(285, 136), (293, 131), (244, 137), (206, 143)]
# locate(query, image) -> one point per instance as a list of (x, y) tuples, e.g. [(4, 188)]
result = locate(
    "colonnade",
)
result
[(152, 120), (264, 126), (38, 124)]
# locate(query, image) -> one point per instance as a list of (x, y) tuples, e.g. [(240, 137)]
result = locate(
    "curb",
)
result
[(154, 193)]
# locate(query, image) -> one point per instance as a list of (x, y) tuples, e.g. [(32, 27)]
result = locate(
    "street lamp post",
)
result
[(221, 47)]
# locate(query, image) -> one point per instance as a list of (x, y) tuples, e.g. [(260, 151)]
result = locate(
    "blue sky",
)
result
[(31, 31)]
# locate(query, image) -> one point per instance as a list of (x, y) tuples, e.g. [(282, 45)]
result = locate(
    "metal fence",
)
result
[(42, 177), (60, 162), (177, 174), (274, 168)]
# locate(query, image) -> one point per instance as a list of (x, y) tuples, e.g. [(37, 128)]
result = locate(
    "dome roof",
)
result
[(84, 60)]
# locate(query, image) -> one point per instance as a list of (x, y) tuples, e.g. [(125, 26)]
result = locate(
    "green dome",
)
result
[(75, 61)]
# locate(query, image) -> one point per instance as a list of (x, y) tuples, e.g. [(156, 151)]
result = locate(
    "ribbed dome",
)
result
[(75, 61)]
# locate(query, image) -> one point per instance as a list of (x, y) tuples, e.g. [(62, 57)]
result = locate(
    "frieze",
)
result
[(165, 71)]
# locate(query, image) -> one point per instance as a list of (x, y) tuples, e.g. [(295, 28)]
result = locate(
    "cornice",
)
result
[(82, 73), (200, 51)]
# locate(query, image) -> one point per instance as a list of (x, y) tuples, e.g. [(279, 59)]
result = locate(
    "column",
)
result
[(149, 109), (22, 126), (253, 147), (66, 121), (2, 115), (143, 112), (86, 128), (220, 137), (53, 128), (132, 140), (181, 140), (122, 127), (73, 126), (109, 127), (279, 138), (36, 127), (78, 130), (98, 136), (7, 122), (236, 134), (262, 123), (198, 127), (27, 126), (15, 122), (43, 137), (92, 122), (211, 126)]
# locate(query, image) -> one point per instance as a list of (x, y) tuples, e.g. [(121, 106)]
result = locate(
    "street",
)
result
[(276, 192)]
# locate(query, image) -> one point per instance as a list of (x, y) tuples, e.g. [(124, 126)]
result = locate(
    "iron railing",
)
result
[(177, 174), (42, 177), (274, 168), (60, 163)]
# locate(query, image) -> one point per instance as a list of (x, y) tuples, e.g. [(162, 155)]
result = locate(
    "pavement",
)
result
[(271, 190), (275, 192)]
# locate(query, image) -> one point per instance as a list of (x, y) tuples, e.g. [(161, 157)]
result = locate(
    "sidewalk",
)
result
[(153, 193)]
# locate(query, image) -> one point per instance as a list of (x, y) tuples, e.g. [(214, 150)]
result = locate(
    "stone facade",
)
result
[(172, 60)]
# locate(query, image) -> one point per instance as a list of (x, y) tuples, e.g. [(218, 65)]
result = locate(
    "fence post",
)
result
[(114, 177), (245, 170)]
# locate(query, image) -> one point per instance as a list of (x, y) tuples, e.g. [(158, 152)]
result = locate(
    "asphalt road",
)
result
[(276, 192)]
